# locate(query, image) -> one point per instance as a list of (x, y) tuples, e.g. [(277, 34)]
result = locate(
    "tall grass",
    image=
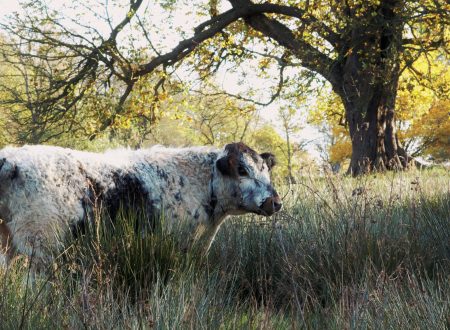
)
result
[(372, 252)]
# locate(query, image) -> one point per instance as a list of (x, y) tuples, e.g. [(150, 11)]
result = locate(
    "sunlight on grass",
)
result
[(371, 252)]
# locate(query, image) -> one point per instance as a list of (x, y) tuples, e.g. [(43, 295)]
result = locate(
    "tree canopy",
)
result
[(359, 47)]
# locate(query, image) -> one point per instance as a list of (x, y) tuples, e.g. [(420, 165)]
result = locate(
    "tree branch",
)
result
[(311, 58)]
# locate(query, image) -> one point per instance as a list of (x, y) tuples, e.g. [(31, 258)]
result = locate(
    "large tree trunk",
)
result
[(375, 146), (368, 89)]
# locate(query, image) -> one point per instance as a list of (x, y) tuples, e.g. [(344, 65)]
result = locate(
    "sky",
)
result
[(182, 21)]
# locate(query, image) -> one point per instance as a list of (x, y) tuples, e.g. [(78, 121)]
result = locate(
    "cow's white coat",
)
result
[(45, 191)]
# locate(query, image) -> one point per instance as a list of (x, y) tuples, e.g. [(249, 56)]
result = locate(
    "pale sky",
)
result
[(183, 22)]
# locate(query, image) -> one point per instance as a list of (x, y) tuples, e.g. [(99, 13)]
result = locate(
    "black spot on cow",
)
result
[(161, 173), (128, 192), (15, 172), (12, 172), (127, 196), (238, 148), (229, 164), (208, 209)]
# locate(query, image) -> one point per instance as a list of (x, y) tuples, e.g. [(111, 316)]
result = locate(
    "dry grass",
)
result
[(372, 252)]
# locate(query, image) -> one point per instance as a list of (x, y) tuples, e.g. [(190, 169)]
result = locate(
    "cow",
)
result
[(46, 192)]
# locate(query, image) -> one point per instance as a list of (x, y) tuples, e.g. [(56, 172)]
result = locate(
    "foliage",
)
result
[(28, 116), (421, 118), (215, 119), (423, 103), (175, 117), (356, 46), (341, 148), (371, 252), (329, 115), (266, 138), (432, 128)]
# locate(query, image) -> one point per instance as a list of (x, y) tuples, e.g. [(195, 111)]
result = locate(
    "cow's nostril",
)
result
[(271, 205), (277, 206)]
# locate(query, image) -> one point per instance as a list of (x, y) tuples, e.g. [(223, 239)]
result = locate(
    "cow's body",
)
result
[(48, 191)]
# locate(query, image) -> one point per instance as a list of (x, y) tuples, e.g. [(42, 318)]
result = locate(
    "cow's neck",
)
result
[(219, 199)]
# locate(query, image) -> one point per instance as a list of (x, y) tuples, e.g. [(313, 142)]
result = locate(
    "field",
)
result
[(371, 252)]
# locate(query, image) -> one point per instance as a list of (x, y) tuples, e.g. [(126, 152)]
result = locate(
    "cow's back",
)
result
[(42, 183)]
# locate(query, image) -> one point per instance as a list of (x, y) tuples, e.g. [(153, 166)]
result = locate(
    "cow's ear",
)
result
[(228, 164), (269, 158), (223, 165)]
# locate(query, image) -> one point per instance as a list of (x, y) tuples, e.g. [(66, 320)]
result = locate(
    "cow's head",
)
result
[(246, 180)]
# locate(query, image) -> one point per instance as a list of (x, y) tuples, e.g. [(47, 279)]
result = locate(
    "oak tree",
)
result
[(360, 47)]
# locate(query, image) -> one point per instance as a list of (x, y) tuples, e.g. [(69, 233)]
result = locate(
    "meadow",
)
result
[(344, 253)]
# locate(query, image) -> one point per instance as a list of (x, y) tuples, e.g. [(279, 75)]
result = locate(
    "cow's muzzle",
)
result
[(271, 205)]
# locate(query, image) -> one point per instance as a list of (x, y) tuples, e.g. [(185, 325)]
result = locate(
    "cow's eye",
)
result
[(242, 171)]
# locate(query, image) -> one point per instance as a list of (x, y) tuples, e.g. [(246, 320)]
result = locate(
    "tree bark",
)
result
[(370, 73), (375, 146)]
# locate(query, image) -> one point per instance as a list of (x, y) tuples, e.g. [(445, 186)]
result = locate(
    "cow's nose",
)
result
[(271, 205), (277, 204)]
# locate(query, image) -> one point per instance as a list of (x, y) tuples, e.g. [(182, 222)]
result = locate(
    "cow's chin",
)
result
[(245, 210), (263, 213), (257, 211)]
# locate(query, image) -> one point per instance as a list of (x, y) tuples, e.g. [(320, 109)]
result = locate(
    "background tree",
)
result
[(431, 131), (30, 117), (421, 121), (328, 115), (290, 126), (357, 46), (187, 118), (218, 119), (423, 104)]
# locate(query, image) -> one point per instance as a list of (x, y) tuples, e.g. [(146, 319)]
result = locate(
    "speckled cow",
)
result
[(48, 191)]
